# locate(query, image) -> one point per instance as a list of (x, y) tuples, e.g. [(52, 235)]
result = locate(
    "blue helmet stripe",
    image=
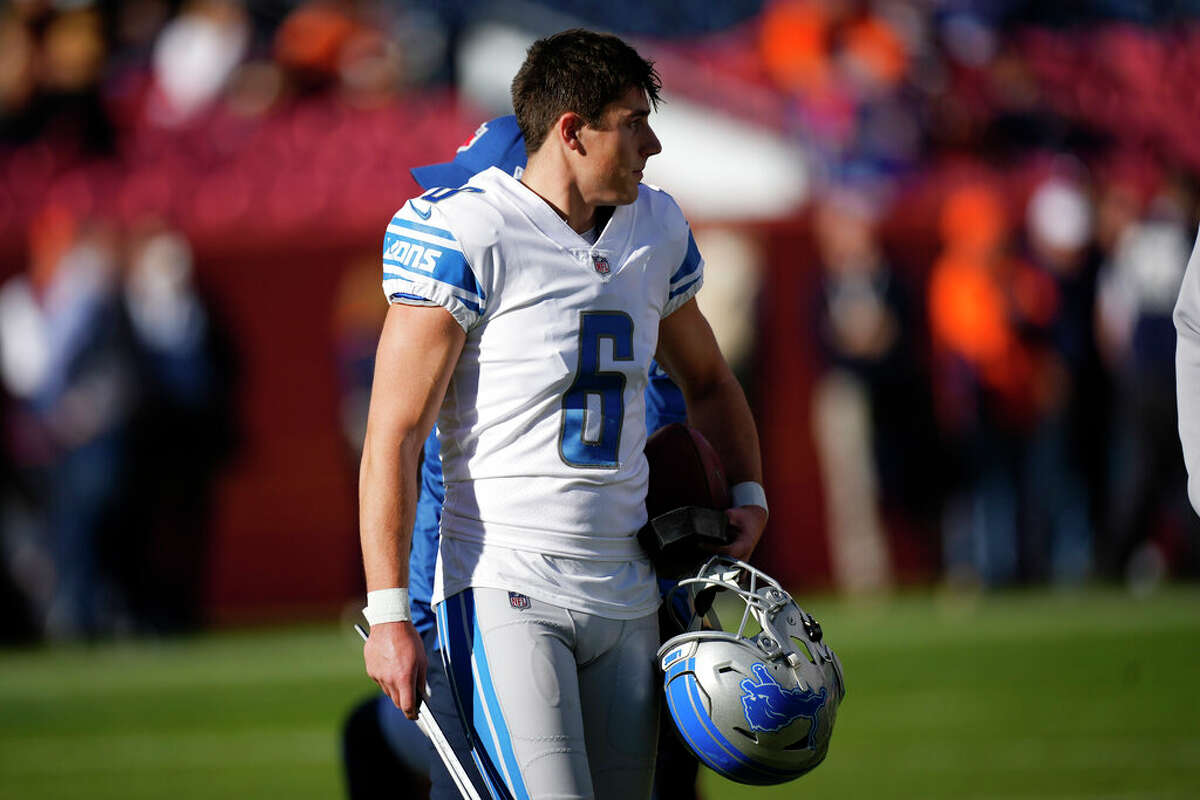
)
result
[(687, 719), (717, 752), (734, 759)]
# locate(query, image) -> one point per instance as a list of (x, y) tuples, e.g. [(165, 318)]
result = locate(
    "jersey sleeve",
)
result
[(424, 264), (687, 279)]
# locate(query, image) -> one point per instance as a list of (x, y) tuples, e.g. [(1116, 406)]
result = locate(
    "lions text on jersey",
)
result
[(542, 429)]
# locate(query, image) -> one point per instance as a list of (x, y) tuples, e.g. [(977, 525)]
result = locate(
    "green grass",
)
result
[(232, 715), (1027, 695)]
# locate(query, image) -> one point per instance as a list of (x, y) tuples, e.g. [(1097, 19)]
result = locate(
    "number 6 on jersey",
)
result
[(591, 439)]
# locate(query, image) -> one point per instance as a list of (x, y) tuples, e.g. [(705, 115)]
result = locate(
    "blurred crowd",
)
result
[(1005, 199), (1016, 398), (1001, 248), (116, 391), (228, 119)]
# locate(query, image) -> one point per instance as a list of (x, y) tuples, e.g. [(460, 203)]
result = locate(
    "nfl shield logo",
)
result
[(518, 601), (601, 264)]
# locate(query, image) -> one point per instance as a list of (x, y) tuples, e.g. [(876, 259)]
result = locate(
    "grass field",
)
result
[(1024, 695)]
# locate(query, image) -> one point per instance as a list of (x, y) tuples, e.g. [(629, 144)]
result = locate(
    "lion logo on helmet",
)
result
[(770, 708)]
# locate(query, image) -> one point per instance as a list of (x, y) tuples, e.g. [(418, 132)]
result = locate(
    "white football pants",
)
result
[(558, 704)]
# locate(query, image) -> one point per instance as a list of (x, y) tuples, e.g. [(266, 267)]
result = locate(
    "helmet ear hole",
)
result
[(751, 735), (799, 744), (803, 648)]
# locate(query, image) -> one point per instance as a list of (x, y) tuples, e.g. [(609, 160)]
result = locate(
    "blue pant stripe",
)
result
[(456, 655), (487, 692)]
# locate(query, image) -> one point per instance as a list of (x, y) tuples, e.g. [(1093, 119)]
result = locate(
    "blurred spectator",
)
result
[(865, 409), (182, 434), (51, 66), (1057, 526), (857, 327), (18, 78), (64, 363), (841, 66), (1151, 528), (989, 313), (357, 320), (194, 58), (309, 44)]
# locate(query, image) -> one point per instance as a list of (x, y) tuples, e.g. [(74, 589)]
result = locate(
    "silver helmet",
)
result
[(757, 707)]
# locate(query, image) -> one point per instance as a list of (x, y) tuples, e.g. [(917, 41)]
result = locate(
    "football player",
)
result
[(381, 747), (525, 314)]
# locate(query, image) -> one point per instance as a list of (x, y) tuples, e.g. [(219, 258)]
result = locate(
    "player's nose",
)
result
[(650, 145)]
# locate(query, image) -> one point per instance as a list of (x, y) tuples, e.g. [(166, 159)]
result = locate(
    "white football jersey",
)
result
[(542, 428)]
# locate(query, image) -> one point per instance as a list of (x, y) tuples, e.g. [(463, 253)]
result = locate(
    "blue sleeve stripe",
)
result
[(408, 275), (684, 288), (445, 266), (416, 226), (424, 239), (406, 295), (470, 302), (691, 261)]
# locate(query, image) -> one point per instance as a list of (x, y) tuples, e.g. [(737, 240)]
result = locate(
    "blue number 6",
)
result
[(579, 446)]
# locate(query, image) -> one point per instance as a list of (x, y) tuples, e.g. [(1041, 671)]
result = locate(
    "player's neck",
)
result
[(555, 186)]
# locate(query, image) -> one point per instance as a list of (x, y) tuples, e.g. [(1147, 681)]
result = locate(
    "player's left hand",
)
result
[(395, 659), (746, 523)]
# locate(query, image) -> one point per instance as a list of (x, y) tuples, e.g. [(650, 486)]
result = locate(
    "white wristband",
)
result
[(749, 493), (387, 605)]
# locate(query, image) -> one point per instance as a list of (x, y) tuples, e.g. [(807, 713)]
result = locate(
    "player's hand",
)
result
[(746, 523), (395, 660)]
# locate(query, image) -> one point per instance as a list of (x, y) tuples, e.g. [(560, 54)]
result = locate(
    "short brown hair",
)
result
[(576, 70)]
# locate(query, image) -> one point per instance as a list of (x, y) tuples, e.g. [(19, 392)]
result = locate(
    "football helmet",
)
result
[(756, 707)]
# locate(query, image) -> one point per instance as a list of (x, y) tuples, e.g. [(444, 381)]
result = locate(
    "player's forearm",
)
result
[(387, 503), (417, 352), (719, 411)]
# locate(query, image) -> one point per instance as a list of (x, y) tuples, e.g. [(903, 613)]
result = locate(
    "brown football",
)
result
[(684, 471)]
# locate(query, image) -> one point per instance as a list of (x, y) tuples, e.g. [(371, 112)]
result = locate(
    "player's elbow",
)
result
[(717, 387), (388, 444)]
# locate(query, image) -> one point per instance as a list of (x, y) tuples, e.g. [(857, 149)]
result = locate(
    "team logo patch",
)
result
[(601, 264), (480, 131), (518, 601), (771, 708)]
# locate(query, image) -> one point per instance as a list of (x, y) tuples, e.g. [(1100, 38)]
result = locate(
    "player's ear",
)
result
[(567, 129)]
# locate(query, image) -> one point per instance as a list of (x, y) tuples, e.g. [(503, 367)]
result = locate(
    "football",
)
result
[(684, 471), (685, 503)]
